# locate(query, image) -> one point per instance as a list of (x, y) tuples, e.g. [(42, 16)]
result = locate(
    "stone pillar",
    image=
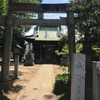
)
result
[(7, 48), (71, 36), (78, 77), (16, 66), (96, 80)]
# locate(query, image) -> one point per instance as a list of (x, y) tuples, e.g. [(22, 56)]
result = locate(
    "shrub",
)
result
[(62, 84)]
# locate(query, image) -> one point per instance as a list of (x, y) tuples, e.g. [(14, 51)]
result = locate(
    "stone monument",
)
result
[(29, 59), (78, 77)]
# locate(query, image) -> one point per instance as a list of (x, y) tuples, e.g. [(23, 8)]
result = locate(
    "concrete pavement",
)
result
[(40, 86)]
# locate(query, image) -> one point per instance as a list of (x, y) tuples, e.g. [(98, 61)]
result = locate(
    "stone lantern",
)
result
[(17, 50)]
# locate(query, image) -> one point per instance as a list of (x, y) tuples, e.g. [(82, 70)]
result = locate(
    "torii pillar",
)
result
[(7, 48), (71, 36)]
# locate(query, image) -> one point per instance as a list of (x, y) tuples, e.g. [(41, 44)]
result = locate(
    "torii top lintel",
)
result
[(45, 8)]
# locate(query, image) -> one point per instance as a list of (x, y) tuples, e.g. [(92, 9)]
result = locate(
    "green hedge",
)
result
[(62, 84)]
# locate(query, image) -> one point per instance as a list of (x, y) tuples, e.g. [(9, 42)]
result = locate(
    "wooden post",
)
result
[(71, 36), (7, 48)]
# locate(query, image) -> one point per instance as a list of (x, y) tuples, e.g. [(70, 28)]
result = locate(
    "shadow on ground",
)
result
[(64, 97), (16, 88), (3, 97)]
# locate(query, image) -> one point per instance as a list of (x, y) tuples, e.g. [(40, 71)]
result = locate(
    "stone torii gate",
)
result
[(33, 8)]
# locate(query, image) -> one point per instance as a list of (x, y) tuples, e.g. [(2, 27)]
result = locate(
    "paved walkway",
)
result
[(40, 86)]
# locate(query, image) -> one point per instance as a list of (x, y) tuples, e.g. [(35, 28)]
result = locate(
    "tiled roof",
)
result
[(47, 34)]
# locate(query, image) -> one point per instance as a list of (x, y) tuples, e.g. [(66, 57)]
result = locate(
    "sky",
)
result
[(51, 15)]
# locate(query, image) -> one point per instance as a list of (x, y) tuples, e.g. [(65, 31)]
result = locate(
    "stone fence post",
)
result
[(78, 77), (96, 80)]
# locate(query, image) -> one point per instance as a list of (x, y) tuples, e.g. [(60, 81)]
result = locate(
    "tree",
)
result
[(89, 21), (64, 50), (17, 38), (3, 9), (88, 25)]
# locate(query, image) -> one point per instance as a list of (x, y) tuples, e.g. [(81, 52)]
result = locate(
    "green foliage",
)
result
[(89, 20), (78, 47), (4, 4), (63, 68), (63, 47), (62, 84), (17, 38), (63, 41), (3, 7), (96, 56), (64, 50), (96, 49)]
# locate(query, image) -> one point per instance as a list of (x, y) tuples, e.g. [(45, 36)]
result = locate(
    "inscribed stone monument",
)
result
[(78, 77)]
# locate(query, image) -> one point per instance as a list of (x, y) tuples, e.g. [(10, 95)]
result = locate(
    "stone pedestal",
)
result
[(7, 86), (96, 80), (29, 59), (78, 77)]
